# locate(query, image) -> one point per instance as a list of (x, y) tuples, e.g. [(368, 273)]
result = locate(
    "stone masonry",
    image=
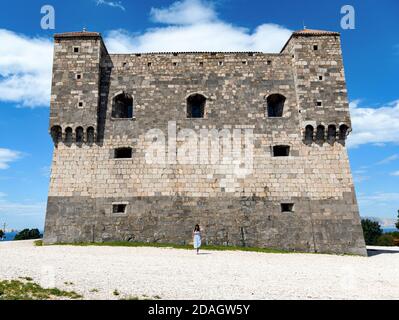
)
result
[(301, 200)]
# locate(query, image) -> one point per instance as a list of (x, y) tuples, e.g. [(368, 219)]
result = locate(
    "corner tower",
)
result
[(320, 83), (75, 86)]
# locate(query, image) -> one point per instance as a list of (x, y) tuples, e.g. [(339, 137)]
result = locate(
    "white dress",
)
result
[(197, 239)]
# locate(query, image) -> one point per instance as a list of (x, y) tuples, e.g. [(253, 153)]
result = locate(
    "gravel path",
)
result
[(96, 272)]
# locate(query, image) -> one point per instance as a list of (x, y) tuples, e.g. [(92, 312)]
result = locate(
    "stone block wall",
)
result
[(164, 201)]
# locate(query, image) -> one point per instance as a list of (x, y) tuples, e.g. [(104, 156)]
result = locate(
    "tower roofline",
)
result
[(310, 33), (79, 34)]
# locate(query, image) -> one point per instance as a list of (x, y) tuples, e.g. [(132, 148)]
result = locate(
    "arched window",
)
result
[(56, 134), (320, 133), (332, 133), (68, 135), (79, 135), (275, 105), (122, 107), (90, 135), (343, 132), (309, 134), (196, 106)]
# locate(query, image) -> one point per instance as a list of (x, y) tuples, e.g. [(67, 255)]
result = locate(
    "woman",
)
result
[(197, 237)]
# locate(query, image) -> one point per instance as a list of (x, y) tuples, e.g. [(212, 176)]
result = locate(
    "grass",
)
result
[(174, 246), (28, 290), (188, 247), (144, 297)]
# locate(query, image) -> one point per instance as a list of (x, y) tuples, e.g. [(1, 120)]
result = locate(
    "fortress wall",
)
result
[(233, 206), (164, 203)]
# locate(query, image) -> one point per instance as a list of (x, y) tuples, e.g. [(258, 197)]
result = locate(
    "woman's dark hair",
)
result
[(197, 227)]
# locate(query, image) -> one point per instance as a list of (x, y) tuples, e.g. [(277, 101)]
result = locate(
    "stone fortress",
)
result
[(299, 194)]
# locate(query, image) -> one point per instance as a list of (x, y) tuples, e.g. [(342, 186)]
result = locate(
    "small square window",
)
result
[(281, 151), (80, 104), (201, 64), (315, 47), (220, 63), (174, 64), (149, 64), (287, 207), (75, 49), (78, 76), (319, 103), (119, 208), (244, 62), (123, 153), (320, 78), (269, 62)]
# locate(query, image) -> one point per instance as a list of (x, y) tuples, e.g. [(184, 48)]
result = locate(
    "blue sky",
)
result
[(371, 56)]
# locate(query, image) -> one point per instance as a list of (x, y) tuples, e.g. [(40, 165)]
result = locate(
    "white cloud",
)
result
[(379, 198), (388, 159), (374, 125), (396, 174), (185, 12), (359, 178), (192, 25), (7, 156), (25, 69), (384, 222), (45, 171), (114, 4), (22, 209)]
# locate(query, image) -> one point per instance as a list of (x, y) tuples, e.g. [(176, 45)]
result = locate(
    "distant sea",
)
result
[(10, 236), (386, 230)]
